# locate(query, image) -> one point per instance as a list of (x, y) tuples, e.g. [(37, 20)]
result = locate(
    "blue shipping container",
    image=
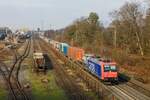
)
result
[(65, 49), (61, 46), (94, 67)]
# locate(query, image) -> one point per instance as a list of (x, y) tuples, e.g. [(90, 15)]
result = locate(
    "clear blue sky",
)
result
[(53, 13)]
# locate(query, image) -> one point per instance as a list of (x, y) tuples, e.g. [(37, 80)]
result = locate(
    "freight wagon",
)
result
[(106, 71), (39, 61), (75, 53)]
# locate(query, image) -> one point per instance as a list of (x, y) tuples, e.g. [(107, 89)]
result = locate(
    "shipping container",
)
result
[(75, 53), (70, 52), (64, 48)]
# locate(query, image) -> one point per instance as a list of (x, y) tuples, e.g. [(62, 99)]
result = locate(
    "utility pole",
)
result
[(115, 37), (76, 33)]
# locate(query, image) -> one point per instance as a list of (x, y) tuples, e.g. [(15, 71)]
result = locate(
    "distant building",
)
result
[(4, 31)]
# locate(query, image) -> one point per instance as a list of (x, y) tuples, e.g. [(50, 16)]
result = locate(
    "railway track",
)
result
[(136, 85), (13, 78), (131, 93), (129, 88), (36, 46), (68, 83), (4, 72), (121, 91)]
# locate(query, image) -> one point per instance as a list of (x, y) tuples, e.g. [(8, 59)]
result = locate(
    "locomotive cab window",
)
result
[(106, 68), (113, 68)]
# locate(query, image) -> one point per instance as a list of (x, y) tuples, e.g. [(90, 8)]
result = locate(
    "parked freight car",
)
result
[(106, 71), (64, 48), (75, 53), (39, 61)]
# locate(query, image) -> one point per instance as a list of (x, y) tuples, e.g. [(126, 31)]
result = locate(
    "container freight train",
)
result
[(73, 53), (102, 69)]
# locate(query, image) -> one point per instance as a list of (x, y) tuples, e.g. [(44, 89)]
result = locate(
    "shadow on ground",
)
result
[(48, 62)]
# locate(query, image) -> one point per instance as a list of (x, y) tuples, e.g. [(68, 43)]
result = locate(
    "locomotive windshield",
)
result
[(113, 68), (108, 68)]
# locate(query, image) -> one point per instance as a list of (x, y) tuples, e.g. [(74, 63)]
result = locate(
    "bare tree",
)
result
[(129, 26)]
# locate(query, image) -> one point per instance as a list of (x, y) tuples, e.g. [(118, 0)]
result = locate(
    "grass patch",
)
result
[(46, 91), (92, 95), (3, 94)]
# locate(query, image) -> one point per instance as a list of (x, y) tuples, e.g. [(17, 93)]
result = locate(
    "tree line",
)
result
[(129, 31)]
